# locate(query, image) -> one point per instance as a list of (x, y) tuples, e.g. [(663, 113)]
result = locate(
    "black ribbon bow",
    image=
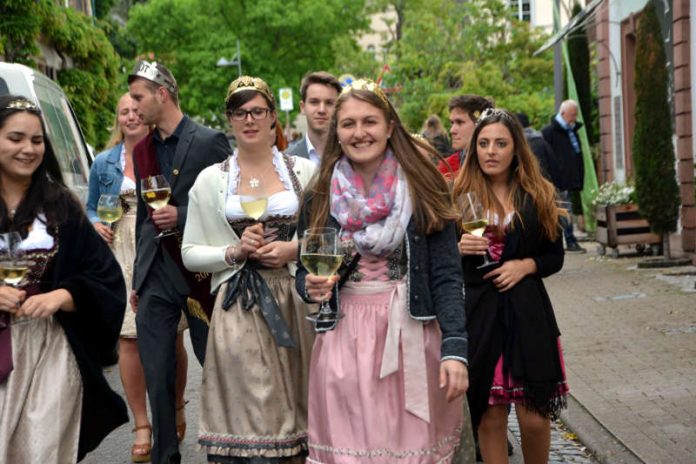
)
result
[(253, 289)]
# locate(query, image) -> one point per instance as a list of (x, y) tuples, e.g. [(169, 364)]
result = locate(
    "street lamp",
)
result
[(235, 61)]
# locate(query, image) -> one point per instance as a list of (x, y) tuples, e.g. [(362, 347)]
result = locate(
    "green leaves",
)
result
[(653, 153), (280, 41)]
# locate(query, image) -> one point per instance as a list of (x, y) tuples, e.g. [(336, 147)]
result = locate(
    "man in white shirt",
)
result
[(319, 92)]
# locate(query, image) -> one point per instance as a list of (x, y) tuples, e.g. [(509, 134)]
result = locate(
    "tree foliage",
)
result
[(579, 54), (280, 41), (91, 83), (451, 48), (653, 153)]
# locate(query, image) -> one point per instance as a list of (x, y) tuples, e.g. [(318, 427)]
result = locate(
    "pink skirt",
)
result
[(359, 415), (506, 390)]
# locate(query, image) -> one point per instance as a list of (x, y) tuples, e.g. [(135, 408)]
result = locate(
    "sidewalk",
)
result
[(629, 341)]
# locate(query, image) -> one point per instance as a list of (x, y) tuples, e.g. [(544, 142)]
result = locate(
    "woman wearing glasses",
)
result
[(254, 391)]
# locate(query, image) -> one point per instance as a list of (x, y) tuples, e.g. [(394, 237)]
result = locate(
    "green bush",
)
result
[(653, 153)]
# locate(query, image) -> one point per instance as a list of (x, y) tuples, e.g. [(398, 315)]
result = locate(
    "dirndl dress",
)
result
[(254, 392), (374, 394), (41, 399)]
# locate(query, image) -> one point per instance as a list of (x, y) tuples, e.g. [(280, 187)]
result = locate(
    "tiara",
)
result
[(369, 85), (250, 83), (155, 72), (22, 104), (491, 113)]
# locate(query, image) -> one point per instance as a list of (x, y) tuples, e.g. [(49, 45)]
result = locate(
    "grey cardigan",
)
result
[(434, 282)]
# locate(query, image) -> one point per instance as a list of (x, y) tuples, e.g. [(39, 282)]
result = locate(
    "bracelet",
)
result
[(230, 259)]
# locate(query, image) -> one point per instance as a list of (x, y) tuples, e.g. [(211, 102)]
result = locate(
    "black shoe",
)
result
[(574, 248)]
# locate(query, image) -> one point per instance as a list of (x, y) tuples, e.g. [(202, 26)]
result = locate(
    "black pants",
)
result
[(160, 302)]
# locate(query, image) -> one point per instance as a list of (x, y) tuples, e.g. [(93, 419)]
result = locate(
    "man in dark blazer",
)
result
[(562, 134), (178, 148), (318, 94)]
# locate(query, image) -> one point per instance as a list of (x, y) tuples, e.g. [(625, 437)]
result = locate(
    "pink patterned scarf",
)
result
[(376, 221)]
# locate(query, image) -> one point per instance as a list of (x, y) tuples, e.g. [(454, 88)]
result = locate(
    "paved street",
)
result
[(629, 339)]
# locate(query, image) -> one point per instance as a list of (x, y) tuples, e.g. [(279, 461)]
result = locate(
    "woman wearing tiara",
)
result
[(55, 404), (254, 392), (514, 350), (386, 384)]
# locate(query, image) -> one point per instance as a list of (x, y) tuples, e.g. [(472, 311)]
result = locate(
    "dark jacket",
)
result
[(197, 148), (544, 153), (86, 267), (519, 322), (571, 170), (434, 282)]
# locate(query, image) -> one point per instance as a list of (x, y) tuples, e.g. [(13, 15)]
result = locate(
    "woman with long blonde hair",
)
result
[(514, 348), (386, 384)]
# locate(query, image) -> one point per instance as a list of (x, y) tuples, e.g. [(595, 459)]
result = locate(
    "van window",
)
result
[(65, 137)]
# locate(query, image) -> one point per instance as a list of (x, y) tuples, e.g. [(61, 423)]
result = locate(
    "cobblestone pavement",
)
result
[(629, 340)]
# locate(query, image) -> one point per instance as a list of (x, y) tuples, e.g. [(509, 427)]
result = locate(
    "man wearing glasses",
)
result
[(178, 149)]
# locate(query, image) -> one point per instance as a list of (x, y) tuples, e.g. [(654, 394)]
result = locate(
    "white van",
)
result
[(74, 155)]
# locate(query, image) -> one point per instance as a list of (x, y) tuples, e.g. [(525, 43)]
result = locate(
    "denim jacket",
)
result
[(434, 281), (105, 177)]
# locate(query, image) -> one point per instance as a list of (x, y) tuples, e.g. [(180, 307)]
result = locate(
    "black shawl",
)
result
[(519, 323), (86, 267)]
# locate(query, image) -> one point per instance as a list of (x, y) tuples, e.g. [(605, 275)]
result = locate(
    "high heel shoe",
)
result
[(140, 452), (181, 426)]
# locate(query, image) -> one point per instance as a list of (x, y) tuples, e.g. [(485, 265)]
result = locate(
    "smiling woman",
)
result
[(51, 333), (241, 223), (397, 355)]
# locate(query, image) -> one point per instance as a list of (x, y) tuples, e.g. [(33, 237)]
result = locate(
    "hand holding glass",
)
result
[(156, 192), (109, 208), (13, 268), (319, 254), (474, 221)]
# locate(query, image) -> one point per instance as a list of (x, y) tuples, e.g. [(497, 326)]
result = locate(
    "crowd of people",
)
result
[(415, 348)]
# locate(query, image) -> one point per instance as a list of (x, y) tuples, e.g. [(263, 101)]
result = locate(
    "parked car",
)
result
[(74, 155)]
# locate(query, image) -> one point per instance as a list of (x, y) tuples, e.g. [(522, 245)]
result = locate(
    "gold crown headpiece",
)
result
[(22, 104), (369, 85), (155, 72), (250, 83)]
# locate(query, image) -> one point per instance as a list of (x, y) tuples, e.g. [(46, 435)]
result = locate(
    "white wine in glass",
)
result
[(156, 192), (109, 208), (252, 196), (475, 221), (319, 253), (13, 268)]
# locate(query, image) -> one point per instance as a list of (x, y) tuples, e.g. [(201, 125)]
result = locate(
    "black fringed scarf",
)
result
[(519, 324)]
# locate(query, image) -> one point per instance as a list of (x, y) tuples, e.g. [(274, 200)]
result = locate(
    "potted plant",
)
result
[(619, 221)]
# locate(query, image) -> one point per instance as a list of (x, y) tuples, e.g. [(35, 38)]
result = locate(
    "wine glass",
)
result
[(13, 267), (319, 254), (109, 208), (474, 221), (252, 196), (156, 192)]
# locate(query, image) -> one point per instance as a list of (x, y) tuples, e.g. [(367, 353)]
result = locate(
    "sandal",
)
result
[(140, 452), (181, 427)]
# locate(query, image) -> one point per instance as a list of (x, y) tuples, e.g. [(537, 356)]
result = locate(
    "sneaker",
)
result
[(574, 248)]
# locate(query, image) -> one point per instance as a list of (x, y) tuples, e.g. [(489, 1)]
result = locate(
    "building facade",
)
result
[(615, 38)]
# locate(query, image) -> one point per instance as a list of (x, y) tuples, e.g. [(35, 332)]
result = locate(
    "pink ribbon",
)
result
[(410, 331)]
